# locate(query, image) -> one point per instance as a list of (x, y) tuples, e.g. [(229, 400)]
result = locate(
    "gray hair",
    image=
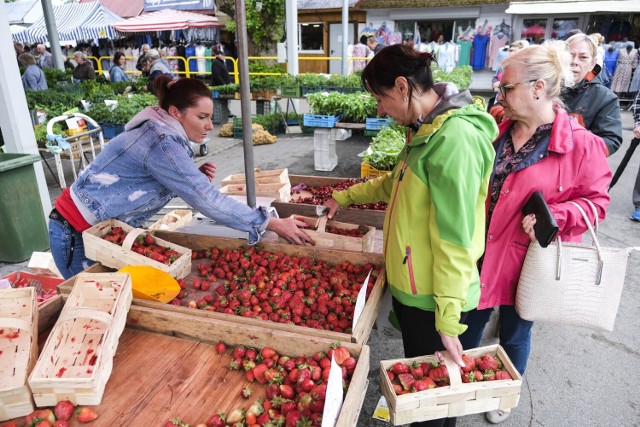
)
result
[(79, 54), (26, 59), (153, 54)]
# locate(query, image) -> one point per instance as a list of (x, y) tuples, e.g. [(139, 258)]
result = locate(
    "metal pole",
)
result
[(345, 35), (292, 37), (245, 102), (54, 41)]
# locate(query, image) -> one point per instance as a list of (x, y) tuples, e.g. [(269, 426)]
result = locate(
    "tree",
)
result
[(265, 27)]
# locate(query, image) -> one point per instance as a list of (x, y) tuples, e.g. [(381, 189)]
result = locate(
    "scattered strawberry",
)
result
[(63, 410), (221, 347), (246, 392), (86, 415), (61, 423)]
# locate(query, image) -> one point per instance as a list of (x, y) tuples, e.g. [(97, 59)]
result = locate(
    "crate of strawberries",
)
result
[(423, 388), (339, 235), (116, 244)]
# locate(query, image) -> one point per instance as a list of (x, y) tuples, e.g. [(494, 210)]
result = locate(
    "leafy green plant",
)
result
[(354, 107), (262, 83), (349, 81), (229, 89), (385, 147), (460, 76), (312, 80), (286, 80)]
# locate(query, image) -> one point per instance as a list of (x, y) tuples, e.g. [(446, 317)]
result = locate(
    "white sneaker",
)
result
[(497, 416)]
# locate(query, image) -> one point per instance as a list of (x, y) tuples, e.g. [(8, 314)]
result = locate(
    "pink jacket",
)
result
[(576, 166)]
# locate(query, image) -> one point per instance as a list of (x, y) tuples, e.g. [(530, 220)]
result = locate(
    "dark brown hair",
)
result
[(395, 61), (182, 94), (116, 57)]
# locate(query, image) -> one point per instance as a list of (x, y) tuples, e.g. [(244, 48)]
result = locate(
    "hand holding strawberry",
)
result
[(209, 169)]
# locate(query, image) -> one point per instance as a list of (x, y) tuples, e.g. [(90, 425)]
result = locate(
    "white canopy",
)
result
[(574, 6), (167, 19)]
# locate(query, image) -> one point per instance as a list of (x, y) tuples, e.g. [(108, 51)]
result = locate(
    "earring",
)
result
[(537, 97)]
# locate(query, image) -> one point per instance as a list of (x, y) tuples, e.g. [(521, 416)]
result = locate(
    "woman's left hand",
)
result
[(527, 225), (209, 169)]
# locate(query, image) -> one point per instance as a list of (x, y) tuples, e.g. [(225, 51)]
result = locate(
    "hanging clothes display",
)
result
[(627, 61), (479, 51), (201, 61), (501, 56), (190, 51), (635, 82), (610, 60), (497, 41), (464, 51), (207, 52), (448, 56)]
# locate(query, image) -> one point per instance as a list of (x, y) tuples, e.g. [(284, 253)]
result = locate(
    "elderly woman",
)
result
[(116, 73), (539, 148), (595, 106), (434, 227), (33, 77), (84, 70)]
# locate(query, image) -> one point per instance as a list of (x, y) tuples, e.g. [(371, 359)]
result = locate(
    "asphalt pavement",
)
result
[(575, 377)]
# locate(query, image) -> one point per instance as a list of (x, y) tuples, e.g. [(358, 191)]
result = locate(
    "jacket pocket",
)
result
[(409, 262)]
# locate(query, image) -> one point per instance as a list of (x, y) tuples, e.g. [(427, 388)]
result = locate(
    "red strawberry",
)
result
[(63, 410), (293, 418), (239, 352), (406, 380), (340, 353), (246, 392), (399, 368), (267, 353), (489, 375), (469, 363), (488, 362), (416, 370), (42, 423), (86, 415), (503, 375), (259, 373), (391, 376), (45, 414), (423, 384), (439, 374), (286, 391), (221, 347), (61, 423), (235, 416), (149, 239), (173, 422), (216, 420)]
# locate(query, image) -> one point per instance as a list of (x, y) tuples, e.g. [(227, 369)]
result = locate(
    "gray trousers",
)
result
[(636, 192)]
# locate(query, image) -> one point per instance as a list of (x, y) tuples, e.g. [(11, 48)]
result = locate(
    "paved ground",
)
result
[(576, 377)]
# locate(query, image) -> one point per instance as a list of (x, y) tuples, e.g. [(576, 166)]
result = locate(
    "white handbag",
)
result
[(573, 283)]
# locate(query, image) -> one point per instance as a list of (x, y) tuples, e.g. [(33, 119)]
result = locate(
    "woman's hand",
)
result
[(333, 207), (209, 169), (527, 225), (287, 228), (454, 347)]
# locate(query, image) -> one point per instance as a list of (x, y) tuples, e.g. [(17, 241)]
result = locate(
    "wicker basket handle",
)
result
[(454, 370), (131, 237), (85, 313), (15, 323), (322, 224)]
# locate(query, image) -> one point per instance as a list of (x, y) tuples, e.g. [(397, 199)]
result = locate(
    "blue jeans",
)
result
[(67, 248), (515, 333)]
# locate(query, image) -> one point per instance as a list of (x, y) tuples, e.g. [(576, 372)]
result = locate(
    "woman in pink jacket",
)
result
[(539, 148)]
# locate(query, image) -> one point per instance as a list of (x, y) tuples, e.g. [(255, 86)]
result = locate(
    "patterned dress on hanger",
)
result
[(627, 61)]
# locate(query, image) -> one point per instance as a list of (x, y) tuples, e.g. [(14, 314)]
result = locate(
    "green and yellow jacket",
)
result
[(434, 228)]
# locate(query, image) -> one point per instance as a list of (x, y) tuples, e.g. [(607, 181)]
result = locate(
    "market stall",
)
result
[(165, 20)]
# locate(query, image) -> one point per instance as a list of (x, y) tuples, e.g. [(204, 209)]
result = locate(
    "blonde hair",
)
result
[(519, 44), (27, 59), (549, 62), (79, 54), (599, 38), (591, 41)]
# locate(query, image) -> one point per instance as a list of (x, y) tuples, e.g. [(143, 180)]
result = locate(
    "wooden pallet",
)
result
[(455, 400), (77, 359), (18, 350), (351, 215), (114, 256)]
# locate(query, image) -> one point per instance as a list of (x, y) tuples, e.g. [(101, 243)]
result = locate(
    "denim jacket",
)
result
[(117, 74), (142, 169)]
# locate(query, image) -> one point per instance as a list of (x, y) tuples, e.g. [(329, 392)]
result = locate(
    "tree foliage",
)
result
[(265, 27)]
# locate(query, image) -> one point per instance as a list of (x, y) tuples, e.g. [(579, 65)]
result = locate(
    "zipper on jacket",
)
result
[(393, 202), (407, 260)]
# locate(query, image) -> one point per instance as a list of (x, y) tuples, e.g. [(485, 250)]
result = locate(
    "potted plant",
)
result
[(225, 91), (311, 82), (289, 85), (263, 86)]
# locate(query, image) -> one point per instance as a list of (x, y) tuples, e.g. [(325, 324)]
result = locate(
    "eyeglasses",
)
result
[(504, 89)]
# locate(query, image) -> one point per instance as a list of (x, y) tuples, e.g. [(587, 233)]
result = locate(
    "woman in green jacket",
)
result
[(434, 228)]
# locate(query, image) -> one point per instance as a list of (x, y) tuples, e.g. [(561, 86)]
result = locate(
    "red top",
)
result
[(68, 209)]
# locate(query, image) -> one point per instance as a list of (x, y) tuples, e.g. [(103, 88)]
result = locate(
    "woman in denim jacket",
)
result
[(143, 168)]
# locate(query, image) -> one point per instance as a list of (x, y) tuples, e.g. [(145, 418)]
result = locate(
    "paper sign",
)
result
[(382, 410), (334, 396), (360, 301)]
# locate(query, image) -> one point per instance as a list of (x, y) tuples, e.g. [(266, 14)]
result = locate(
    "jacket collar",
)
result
[(561, 140)]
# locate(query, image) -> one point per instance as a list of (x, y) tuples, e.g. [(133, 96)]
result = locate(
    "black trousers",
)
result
[(420, 338)]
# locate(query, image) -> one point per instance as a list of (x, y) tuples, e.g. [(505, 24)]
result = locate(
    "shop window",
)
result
[(612, 26), (561, 27), (534, 30), (311, 37)]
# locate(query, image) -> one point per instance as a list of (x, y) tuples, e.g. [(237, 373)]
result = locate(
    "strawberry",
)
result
[(63, 410), (149, 239), (263, 419), (339, 353), (235, 416), (216, 420), (406, 380), (503, 375), (61, 423), (469, 363), (286, 391), (293, 418), (416, 370), (86, 415), (488, 362), (256, 408), (489, 375), (41, 423), (391, 376), (259, 373), (246, 392), (221, 347), (173, 422), (44, 414), (267, 353), (9, 424), (399, 368), (239, 352), (439, 374)]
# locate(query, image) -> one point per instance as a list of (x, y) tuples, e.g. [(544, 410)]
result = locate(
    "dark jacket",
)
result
[(219, 73), (597, 109), (84, 71)]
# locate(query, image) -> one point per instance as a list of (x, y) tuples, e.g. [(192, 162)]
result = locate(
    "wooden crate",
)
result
[(351, 215), (112, 255), (279, 191), (77, 359), (317, 231), (192, 381), (172, 220), (455, 400), (262, 177), (18, 350), (361, 332)]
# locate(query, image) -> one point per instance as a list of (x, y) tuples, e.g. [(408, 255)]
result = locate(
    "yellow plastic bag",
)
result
[(151, 283)]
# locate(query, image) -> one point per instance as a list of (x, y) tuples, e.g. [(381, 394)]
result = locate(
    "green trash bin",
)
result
[(22, 226)]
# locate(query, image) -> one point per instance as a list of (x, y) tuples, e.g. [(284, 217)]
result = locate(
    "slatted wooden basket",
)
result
[(279, 191), (172, 220), (114, 256), (77, 359), (318, 232), (455, 400), (18, 350), (262, 177)]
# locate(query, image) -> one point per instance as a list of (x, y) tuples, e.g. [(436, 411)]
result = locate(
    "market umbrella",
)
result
[(533, 31), (624, 161), (165, 20)]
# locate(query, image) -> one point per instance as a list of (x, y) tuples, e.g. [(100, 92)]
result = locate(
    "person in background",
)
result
[(360, 52), (158, 66), (220, 74), (635, 216), (116, 73), (84, 70), (494, 108), (33, 77), (19, 48), (374, 45), (593, 105), (146, 166), (142, 57), (45, 59), (539, 148), (434, 225)]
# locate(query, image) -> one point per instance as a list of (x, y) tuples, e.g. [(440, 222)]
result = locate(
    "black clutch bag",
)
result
[(546, 227)]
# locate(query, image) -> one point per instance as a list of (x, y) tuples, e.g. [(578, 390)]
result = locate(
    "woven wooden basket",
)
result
[(18, 350), (317, 231), (76, 361), (114, 256), (279, 191), (172, 220), (262, 177), (455, 400)]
